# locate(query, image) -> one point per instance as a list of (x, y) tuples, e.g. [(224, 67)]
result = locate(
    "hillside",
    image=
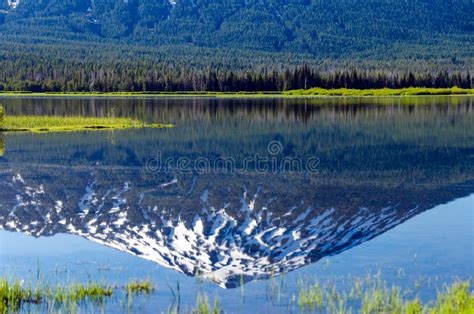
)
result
[(234, 45), (375, 29)]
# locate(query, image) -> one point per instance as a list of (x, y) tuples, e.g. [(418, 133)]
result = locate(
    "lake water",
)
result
[(242, 198)]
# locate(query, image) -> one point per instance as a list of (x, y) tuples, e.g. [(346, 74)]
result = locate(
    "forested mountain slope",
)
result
[(374, 29), (170, 45)]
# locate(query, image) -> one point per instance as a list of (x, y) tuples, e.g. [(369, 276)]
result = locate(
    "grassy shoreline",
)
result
[(309, 93)]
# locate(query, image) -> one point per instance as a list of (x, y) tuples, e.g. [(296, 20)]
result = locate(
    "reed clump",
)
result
[(14, 294), (81, 293), (310, 296), (135, 287), (457, 298), (377, 297), (204, 307)]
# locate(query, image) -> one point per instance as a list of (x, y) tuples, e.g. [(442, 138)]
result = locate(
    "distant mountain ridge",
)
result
[(374, 29)]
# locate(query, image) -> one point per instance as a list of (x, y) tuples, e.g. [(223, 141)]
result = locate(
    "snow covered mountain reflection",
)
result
[(229, 229)]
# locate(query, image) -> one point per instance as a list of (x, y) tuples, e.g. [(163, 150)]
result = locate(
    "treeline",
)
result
[(162, 78), (233, 45)]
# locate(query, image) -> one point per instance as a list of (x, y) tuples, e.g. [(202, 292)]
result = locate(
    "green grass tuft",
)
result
[(310, 296), (456, 299), (80, 293), (135, 287), (204, 307), (13, 295)]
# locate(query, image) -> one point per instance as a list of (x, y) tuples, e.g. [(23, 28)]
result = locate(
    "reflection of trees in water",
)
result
[(381, 144), (164, 110)]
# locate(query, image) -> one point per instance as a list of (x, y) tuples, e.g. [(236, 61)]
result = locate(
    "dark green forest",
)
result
[(149, 78), (229, 45)]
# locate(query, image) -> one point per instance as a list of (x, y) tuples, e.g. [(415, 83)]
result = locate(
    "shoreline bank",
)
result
[(309, 93)]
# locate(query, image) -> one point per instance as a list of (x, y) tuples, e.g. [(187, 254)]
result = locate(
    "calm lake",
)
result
[(242, 199)]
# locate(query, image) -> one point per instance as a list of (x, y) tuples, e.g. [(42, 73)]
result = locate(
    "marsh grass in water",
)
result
[(40, 124), (412, 91), (14, 294), (79, 293), (458, 298), (135, 287), (375, 296), (204, 306), (367, 296), (310, 295)]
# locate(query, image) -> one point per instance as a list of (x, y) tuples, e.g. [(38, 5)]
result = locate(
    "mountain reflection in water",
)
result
[(378, 167)]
